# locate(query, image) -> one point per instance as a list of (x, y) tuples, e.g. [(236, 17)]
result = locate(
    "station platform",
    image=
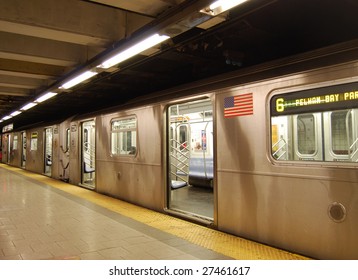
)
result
[(46, 219)]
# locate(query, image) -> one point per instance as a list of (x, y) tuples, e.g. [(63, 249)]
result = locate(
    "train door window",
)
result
[(124, 136), (48, 151), (190, 162), (68, 139), (88, 154)]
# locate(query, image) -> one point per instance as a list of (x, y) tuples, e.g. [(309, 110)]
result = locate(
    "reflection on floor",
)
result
[(196, 200)]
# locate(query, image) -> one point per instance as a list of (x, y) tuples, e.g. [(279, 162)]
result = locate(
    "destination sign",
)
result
[(330, 98), (8, 127)]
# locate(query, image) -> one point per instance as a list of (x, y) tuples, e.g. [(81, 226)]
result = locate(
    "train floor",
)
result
[(42, 218)]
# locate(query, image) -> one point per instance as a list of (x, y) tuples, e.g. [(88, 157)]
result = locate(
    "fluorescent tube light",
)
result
[(7, 118), (134, 50), (78, 79), (15, 113), (45, 97), (28, 106), (223, 5)]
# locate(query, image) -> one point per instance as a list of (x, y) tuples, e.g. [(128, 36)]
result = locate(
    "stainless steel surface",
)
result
[(307, 207), (138, 178)]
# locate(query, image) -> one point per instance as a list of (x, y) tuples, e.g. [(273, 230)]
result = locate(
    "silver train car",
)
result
[(267, 153)]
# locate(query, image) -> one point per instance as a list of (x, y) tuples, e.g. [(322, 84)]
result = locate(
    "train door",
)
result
[(8, 148), (48, 151), (88, 154), (190, 159), (23, 149)]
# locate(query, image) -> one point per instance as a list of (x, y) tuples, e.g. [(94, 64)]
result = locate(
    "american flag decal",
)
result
[(239, 105)]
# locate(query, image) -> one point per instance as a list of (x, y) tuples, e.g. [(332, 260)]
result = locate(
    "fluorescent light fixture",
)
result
[(223, 5), (7, 118), (28, 106), (15, 113), (78, 79), (134, 50), (45, 97)]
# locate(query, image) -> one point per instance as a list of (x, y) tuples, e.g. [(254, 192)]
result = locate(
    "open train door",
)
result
[(23, 149), (88, 154), (48, 151), (7, 149), (190, 173)]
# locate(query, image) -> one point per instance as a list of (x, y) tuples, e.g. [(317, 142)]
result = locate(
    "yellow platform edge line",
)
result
[(226, 244)]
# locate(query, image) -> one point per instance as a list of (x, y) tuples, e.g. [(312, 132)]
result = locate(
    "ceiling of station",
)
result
[(44, 42)]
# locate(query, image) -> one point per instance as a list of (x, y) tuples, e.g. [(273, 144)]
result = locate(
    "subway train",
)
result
[(268, 152)]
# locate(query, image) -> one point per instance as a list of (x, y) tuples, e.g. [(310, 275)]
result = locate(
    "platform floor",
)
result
[(42, 218)]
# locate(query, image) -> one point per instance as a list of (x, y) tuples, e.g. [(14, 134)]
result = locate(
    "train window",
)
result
[(306, 136), (33, 141), (124, 136), (316, 124), (341, 135)]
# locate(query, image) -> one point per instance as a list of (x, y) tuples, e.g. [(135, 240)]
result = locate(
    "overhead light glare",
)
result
[(7, 118), (28, 106), (15, 113), (46, 96), (221, 6), (78, 79), (134, 50)]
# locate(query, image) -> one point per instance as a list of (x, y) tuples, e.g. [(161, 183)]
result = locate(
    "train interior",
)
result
[(191, 158)]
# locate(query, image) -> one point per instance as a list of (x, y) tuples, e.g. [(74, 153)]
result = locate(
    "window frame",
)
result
[(124, 132), (326, 143)]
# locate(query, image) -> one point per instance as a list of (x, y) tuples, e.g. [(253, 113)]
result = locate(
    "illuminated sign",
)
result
[(8, 127), (330, 98)]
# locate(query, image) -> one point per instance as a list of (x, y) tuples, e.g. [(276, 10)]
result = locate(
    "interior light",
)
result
[(28, 106), (78, 79), (45, 97), (132, 51), (15, 113), (223, 5)]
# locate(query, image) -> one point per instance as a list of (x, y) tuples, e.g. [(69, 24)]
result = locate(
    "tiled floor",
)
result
[(41, 222)]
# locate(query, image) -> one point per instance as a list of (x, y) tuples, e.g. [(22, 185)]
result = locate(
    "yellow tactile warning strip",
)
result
[(226, 244)]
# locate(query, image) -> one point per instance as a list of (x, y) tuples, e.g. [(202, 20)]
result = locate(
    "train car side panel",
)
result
[(304, 206), (35, 150), (129, 156)]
